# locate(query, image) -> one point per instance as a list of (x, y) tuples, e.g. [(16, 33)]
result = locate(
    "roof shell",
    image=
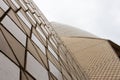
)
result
[(66, 30)]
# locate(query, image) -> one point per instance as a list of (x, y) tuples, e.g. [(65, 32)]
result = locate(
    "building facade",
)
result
[(98, 57), (30, 49)]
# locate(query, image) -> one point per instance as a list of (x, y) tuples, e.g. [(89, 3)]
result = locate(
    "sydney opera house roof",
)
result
[(29, 47), (32, 48), (65, 30), (98, 57)]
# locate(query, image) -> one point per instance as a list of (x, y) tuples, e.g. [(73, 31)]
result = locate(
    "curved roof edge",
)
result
[(66, 30)]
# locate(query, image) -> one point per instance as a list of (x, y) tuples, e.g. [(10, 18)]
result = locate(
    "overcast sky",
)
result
[(100, 17)]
